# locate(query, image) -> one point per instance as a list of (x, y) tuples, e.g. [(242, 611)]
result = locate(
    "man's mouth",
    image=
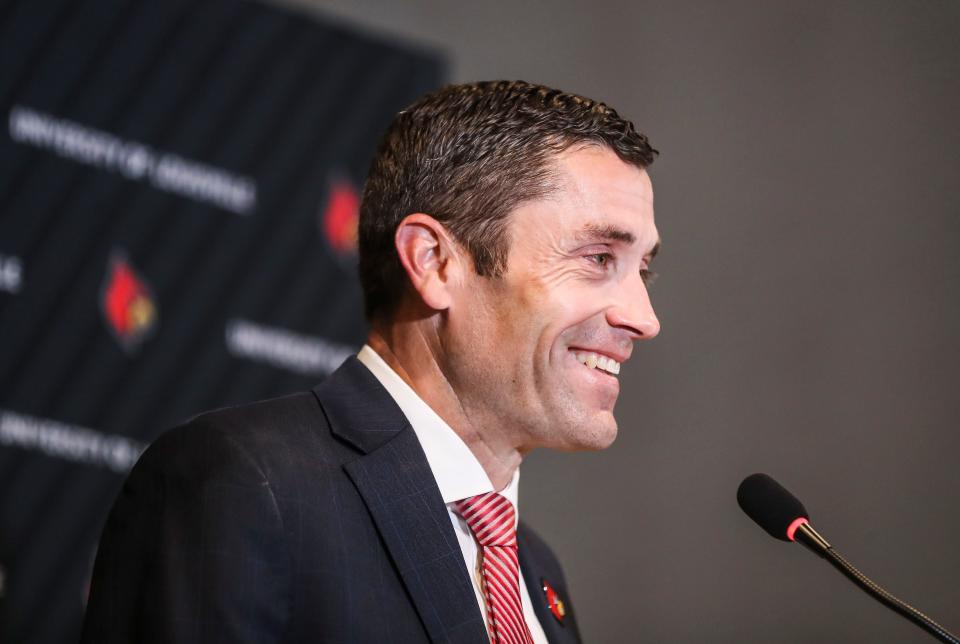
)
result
[(597, 361)]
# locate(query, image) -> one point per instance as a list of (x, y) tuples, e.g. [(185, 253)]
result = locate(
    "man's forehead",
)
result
[(595, 197), (595, 176), (592, 163)]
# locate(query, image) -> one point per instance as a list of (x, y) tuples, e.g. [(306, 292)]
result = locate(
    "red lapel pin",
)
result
[(554, 603)]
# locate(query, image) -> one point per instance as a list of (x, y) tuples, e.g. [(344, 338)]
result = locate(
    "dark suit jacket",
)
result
[(309, 518)]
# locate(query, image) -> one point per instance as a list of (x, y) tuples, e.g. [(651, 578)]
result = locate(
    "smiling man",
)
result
[(506, 235)]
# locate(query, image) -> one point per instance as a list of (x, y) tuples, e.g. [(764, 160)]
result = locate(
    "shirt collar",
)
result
[(457, 471)]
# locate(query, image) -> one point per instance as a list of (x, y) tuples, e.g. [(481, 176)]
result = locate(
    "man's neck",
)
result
[(408, 351)]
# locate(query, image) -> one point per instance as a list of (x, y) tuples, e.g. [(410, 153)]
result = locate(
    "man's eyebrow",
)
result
[(607, 232)]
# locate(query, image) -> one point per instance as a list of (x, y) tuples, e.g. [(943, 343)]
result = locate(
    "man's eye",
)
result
[(601, 259)]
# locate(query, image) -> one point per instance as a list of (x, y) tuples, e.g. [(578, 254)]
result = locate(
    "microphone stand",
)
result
[(810, 538)]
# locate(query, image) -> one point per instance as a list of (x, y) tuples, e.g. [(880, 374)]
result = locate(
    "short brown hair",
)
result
[(467, 155)]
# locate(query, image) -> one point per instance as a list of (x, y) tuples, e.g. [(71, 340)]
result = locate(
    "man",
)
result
[(506, 234)]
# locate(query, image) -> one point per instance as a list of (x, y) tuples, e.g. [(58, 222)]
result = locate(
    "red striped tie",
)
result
[(491, 517)]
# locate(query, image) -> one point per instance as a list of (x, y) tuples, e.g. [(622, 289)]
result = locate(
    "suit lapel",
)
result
[(395, 481), (533, 575)]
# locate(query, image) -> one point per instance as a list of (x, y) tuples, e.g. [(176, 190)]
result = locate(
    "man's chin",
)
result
[(603, 439), (594, 435)]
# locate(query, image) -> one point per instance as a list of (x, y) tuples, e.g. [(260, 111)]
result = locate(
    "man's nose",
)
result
[(633, 310)]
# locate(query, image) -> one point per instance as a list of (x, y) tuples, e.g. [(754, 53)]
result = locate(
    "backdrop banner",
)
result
[(179, 184)]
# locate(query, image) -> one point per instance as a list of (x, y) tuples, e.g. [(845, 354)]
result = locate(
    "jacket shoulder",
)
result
[(266, 436), (199, 516)]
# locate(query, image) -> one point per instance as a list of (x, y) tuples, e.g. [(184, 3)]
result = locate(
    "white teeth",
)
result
[(595, 360)]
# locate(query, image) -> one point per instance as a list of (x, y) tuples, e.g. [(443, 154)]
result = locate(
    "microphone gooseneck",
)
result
[(778, 512)]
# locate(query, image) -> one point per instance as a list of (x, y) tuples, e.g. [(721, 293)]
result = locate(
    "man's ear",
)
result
[(431, 258)]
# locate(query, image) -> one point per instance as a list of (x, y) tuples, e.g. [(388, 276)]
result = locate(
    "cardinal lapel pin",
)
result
[(554, 603)]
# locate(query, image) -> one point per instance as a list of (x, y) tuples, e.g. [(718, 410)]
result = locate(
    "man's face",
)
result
[(533, 354)]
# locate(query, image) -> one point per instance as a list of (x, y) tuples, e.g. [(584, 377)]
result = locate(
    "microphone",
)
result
[(782, 515)]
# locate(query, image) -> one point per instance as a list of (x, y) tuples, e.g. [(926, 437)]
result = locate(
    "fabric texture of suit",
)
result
[(309, 518)]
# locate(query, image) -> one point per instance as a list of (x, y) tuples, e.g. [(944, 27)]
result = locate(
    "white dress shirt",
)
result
[(458, 474)]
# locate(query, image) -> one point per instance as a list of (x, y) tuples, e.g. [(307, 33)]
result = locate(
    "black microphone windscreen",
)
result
[(769, 504)]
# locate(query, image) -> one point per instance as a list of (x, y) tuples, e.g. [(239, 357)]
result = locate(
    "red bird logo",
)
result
[(554, 603), (340, 217), (128, 305)]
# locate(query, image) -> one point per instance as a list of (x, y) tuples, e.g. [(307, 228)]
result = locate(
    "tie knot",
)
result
[(491, 518)]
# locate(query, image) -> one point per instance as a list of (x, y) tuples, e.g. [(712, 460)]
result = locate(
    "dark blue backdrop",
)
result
[(178, 194)]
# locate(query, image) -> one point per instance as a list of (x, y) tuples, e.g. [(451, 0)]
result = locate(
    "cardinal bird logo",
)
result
[(340, 216), (128, 306), (554, 603)]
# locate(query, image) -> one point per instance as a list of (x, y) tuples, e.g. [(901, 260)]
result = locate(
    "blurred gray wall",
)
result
[(807, 195)]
